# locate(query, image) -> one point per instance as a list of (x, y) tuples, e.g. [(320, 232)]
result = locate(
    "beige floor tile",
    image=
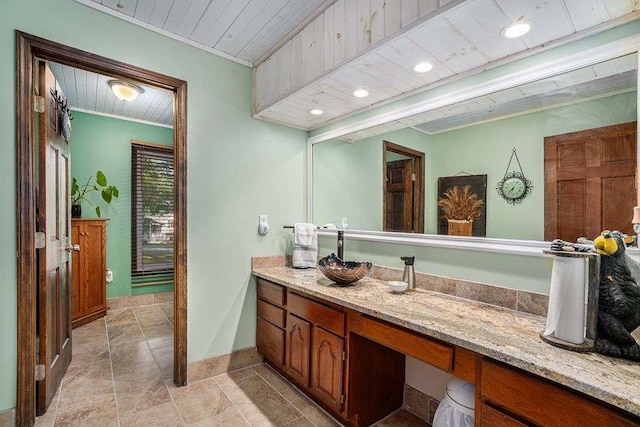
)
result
[(272, 377), (318, 417), (90, 331), (163, 297), (128, 332), (159, 336), (234, 376), (90, 411), (164, 415), (260, 403), (302, 422), (151, 316), (129, 356), (199, 401), (120, 316), (230, 418), (402, 419), (167, 308), (138, 394)]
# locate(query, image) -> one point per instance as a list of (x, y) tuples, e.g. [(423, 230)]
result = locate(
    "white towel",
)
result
[(306, 256), (303, 233)]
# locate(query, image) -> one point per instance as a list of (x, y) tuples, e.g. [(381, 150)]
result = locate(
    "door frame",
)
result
[(28, 48), (418, 189)]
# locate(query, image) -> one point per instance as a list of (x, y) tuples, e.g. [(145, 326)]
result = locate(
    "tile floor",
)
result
[(121, 371)]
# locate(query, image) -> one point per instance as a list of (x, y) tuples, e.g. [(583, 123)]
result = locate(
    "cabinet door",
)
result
[(298, 346), (76, 278), (326, 367), (270, 342), (94, 259)]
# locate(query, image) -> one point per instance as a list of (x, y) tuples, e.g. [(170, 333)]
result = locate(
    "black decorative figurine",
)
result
[(619, 299)]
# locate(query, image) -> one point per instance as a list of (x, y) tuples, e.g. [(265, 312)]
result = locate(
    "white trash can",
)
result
[(458, 406)]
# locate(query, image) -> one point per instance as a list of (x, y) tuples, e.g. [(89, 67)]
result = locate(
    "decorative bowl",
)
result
[(398, 287), (343, 272)]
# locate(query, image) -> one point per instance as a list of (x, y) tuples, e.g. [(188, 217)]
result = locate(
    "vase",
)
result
[(76, 211), (460, 227)]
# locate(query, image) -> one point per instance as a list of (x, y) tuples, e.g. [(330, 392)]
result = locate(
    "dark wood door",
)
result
[(326, 367), (399, 196), (298, 344), (54, 297), (590, 182)]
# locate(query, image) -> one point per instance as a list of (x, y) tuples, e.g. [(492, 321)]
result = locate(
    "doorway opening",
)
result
[(403, 188), (29, 49)]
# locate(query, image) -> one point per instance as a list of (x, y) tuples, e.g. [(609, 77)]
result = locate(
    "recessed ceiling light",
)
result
[(517, 29), (360, 93), (423, 67), (316, 111)]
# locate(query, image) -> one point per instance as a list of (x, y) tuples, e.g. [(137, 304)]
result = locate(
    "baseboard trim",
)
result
[(8, 418), (208, 368)]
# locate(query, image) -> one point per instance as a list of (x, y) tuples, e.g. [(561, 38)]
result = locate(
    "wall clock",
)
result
[(514, 186)]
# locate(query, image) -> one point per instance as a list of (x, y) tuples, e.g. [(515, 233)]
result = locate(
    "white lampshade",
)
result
[(124, 90)]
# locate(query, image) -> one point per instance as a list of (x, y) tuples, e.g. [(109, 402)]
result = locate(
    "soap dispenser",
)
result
[(409, 274)]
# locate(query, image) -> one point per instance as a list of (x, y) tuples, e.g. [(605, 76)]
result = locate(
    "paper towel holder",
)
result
[(591, 324)]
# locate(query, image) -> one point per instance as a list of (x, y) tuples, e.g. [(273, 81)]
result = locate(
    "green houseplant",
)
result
[(78, 194)]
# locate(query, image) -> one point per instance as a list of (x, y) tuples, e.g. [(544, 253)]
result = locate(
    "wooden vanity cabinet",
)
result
[(270, 332), (89, 265), (510, 397)]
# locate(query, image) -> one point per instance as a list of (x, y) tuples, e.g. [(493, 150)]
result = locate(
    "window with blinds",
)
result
[(151, 210)]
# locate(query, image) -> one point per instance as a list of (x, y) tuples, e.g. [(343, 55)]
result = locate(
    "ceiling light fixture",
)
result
[(124, 90), (360, 93), (423, 67), (316, 111), (517, 29)]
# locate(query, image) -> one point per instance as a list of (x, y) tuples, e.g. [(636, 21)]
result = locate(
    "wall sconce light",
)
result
[(124, 90), (636, 223)]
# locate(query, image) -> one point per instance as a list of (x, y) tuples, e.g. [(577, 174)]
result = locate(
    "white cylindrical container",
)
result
[(457, 409), (565, 315)]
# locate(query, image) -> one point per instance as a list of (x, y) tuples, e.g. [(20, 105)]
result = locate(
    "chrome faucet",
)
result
[(341, 244)]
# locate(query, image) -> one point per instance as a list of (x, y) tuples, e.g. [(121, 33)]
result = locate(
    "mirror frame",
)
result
[(624, 46)]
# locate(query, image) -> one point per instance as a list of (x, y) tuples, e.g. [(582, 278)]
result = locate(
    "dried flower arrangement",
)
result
[(461, 205)]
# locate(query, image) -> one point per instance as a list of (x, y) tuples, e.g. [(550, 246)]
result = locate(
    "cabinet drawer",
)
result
[(542, 402), (271, 292), (425, 349), (493, 418), (270, 312), (326, 317), (270, 342)]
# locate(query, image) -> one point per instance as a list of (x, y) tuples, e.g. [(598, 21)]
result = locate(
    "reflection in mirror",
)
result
[(478, 136), (403, 188)]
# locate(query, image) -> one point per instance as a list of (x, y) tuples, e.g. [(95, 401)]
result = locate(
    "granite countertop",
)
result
[(502, 334)]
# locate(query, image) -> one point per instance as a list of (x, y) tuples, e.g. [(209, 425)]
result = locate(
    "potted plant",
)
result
[(460, 208), (78, 194)]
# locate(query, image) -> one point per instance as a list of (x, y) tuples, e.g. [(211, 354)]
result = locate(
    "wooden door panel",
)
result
[(93, 292), (326, 367), (298, 344), (618, 213), (590, 181), (75, 271), (399, 196), (54, 298)]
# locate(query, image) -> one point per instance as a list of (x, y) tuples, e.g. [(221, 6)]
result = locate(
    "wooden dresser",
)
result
[(89, 265)]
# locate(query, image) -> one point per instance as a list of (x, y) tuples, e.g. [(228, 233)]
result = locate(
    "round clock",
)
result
[(514, 187)]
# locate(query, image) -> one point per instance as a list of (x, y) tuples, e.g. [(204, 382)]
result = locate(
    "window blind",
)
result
[(152, 222)]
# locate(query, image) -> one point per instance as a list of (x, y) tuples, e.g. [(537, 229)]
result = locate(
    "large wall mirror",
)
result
[(563, 114)]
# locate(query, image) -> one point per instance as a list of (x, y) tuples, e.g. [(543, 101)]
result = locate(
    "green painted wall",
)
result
[(348, 178), (104, 143), (238, 168)]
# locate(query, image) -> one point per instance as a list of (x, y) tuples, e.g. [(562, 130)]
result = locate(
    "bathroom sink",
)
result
[(343, 272)]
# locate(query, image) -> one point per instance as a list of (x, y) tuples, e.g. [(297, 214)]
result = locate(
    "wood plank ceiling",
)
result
[(89, 92), (311, 54)]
